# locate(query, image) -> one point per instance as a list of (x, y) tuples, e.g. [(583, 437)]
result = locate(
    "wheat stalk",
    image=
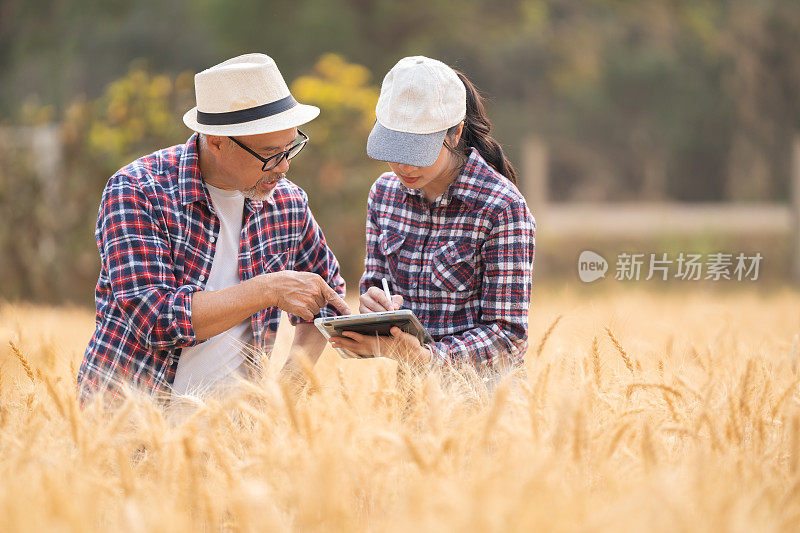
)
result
[(696, 357), (349, 455), (621, 350), (415, 453), (496, 410), (733, 429), (744, 404), (596, 361), (794, 446), (648, 448), (547, 335), (343, 387), (313, 384), (289, 400), (665, 388), (579, 439), (54, 395), (74, 423), (783, 397), (24, 362), (671, 406), (616, 437), (126, 475)]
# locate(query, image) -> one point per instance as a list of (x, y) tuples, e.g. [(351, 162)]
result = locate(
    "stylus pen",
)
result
[(386, 291)]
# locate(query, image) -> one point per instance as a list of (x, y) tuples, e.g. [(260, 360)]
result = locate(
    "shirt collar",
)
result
[(190, 182), (463, 187), (471, 178), (190, 185)]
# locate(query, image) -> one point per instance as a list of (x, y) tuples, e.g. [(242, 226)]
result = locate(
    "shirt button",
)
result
[(213, 238), (202, 277)]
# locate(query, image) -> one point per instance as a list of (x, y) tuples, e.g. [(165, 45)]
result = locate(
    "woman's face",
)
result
[(433, 180)]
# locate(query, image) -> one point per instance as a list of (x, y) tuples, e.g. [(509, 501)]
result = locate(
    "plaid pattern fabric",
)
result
[(156, 231), (462, 263)]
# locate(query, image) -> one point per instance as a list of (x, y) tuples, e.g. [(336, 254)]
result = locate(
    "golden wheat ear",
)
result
[(621, 351), (24, 362), (546, 336)]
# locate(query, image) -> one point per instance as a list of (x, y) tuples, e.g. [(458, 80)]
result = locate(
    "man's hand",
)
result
[(401, 346), (375, 300), (302, 294)]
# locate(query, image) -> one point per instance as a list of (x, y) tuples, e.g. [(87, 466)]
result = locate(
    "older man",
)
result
[(203, 244)]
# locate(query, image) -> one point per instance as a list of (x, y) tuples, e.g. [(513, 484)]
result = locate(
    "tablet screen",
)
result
[(379, 328), (375, 324)]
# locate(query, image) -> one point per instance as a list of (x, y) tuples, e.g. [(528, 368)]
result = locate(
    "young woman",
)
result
[(447, 227)]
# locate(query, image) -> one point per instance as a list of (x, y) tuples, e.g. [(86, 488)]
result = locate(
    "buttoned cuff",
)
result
[(182, 313)]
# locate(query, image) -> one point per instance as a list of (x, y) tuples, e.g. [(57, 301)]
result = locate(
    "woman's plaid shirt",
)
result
[(462, 263), (156, 232)]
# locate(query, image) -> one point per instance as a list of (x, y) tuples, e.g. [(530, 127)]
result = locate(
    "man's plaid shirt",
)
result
[(462, 263), (156, 232)]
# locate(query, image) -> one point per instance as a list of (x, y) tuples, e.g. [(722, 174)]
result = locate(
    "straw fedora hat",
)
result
[(245, 95)]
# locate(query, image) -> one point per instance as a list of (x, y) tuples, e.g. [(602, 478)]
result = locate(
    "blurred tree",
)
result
[(135, 115), (690, 99), (334, 169), (757, 42), (693, 100), (140, 113), (59, 49)]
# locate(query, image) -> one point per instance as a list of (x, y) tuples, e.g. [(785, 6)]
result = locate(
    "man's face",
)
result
[(240, 170)]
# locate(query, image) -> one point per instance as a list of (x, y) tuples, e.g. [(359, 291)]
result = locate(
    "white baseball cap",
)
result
[(245, 95), (421, 98)]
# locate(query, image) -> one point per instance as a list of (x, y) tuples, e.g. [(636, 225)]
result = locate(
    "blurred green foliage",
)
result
[(694, 100), (136, 115), (49, 231), (334, 169)]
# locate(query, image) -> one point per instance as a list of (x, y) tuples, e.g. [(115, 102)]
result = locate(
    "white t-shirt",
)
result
[(203, 366)]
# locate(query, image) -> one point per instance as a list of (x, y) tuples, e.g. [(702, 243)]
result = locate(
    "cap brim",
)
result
[(415, 149), (291, 118)]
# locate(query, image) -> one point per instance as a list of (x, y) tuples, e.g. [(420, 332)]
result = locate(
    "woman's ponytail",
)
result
[(476, 133)]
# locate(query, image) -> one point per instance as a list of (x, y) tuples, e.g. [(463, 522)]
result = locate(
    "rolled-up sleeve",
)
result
[(136, 254)]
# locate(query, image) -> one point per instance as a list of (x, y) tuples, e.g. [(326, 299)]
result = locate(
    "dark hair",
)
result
[(476, 134)]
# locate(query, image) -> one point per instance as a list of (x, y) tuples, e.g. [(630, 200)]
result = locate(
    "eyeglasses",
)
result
[(274, 160)]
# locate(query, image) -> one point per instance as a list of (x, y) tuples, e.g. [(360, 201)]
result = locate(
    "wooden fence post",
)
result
[(40, 146), (534, 176), (795, 206)]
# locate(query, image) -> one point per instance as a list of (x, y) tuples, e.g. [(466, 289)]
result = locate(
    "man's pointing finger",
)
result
[(335, 300)]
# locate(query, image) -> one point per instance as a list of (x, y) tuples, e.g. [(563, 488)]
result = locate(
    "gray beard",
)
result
[(257, 196)]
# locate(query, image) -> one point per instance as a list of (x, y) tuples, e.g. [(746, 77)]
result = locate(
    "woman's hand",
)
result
[(375, 300), (401, 346)]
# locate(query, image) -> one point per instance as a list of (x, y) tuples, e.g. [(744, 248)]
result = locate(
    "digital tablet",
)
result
[(372, 324)]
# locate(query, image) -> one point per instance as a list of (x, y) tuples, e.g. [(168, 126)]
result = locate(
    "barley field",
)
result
[(642, 410)]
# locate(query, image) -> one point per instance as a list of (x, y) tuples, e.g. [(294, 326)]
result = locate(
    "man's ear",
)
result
[(215, 143)]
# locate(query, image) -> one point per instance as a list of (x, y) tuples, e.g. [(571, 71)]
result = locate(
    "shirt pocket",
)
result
[(275, 262), (389, 244), (453, 267)]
